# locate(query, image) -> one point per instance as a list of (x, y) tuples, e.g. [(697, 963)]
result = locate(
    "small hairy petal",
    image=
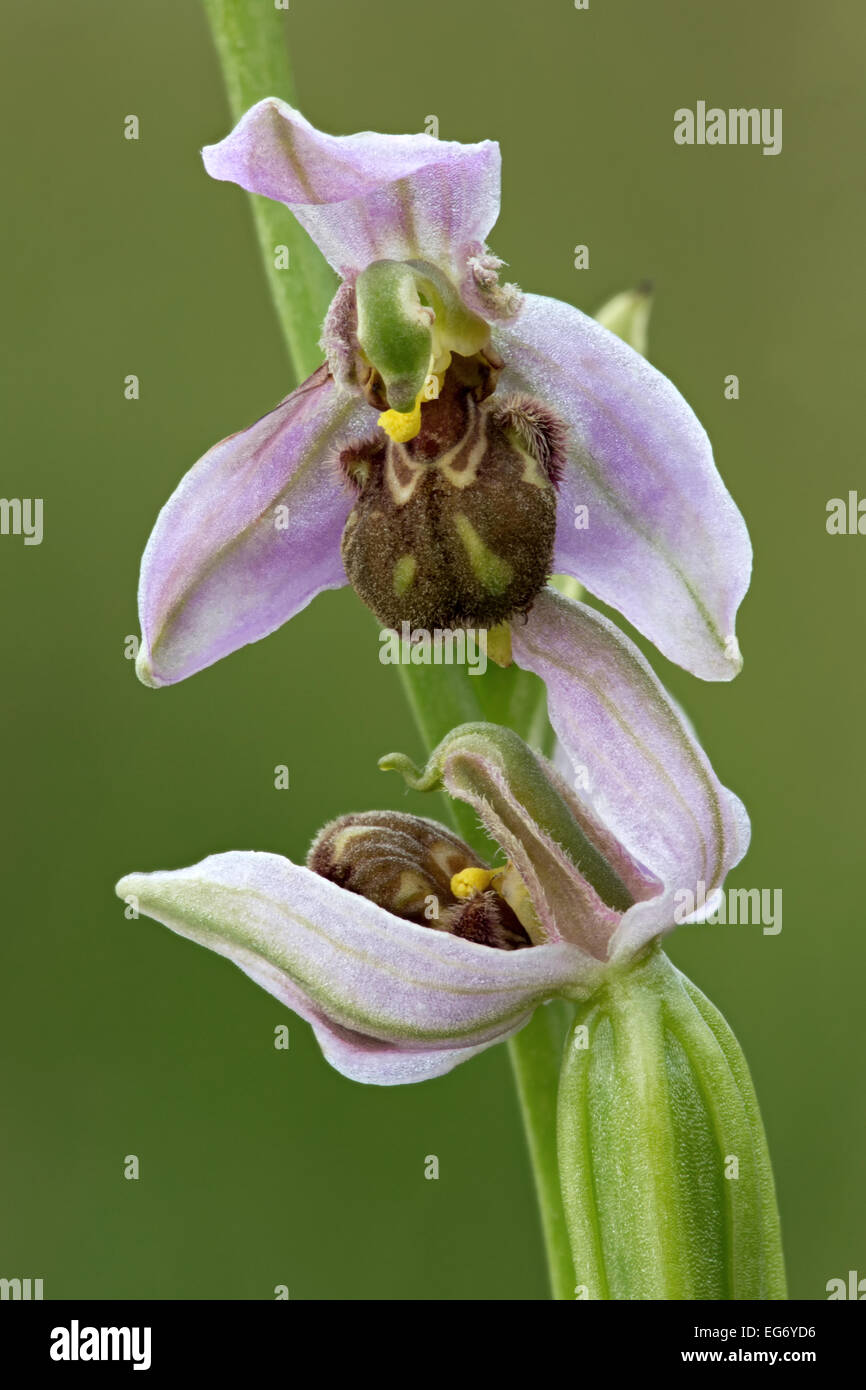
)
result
[(576, 893), (538, 429), (483, 292), (568, 907), (637, 764), (249, 537), (370, 983), (658, 537), (366, 197), (339, 341)]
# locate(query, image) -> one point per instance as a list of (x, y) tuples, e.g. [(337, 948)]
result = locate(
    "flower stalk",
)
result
[(440, 699)]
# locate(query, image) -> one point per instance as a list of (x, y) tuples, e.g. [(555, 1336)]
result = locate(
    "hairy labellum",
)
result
[(405, 864), (455, 528)]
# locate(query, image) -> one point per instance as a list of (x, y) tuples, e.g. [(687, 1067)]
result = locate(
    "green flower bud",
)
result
[(665, 1175), (627, 315)]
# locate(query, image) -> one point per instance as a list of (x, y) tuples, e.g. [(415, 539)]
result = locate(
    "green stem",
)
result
[(441, 699), (251, 46), (439, 704), (536, 1055)]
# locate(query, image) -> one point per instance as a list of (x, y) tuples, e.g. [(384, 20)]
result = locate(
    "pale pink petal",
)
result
[(665, 543), (637, 763), (249, 537), (350, 967), (366, 197)]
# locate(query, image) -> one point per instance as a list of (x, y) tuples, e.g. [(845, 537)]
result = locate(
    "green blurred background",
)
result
[(261, 1167)]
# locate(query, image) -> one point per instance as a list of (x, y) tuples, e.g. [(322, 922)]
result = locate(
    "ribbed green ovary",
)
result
[(656, 1114)]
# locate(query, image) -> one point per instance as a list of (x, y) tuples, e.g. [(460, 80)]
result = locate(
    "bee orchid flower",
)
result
[(461, 442), (403, 949)]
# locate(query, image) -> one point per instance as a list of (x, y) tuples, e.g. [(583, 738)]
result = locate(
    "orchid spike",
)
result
[(462, 442), (405, 951)]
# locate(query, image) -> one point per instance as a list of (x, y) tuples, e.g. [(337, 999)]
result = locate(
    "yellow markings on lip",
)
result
[(499, 644), (404, 572), (410, 888), (491, 571), (445, 856), (533, 473), (469, 452), (341, 841)]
